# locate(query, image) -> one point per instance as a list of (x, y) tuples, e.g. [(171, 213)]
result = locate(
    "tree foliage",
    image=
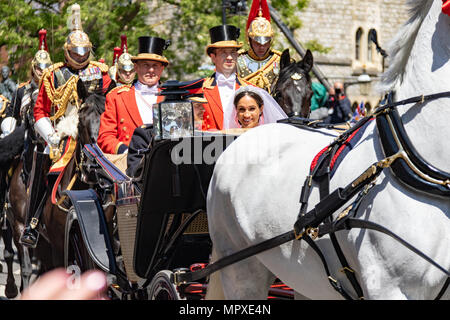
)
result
[(185, 22), (103, 21)]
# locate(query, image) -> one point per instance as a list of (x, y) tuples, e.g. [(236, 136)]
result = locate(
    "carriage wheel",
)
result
[(161, 288), (77, 254)]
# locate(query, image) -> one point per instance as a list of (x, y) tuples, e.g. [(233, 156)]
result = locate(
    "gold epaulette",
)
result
[(103, 67), (124, 88), (208, 82), (46, 74), (23, 84), (120, 89)]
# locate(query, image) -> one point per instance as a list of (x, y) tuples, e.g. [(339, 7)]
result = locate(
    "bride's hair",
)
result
[(247, 92)]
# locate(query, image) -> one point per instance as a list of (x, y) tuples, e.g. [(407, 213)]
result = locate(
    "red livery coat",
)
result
[(120, 118)]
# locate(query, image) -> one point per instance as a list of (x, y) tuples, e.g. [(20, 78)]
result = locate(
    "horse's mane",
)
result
[(95, 103), (400, 46)]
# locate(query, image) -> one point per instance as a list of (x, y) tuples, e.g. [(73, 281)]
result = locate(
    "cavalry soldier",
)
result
[(124, 72), (21, 108), (55, 113), (128, 107), (260, 65)]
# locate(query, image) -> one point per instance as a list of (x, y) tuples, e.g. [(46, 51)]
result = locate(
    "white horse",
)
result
[(255, 189)]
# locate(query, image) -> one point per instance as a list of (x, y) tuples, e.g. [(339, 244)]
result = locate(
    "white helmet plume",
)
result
[(74, 19)]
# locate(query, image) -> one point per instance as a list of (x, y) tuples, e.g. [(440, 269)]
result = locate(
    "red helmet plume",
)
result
[(254, 11), (124, 45), (43, 40), (117, 53)]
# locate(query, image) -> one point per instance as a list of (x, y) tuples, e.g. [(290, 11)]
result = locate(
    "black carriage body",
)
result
[(175, 184)]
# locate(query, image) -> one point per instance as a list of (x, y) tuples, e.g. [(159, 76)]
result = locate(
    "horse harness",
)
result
[(405, 163)]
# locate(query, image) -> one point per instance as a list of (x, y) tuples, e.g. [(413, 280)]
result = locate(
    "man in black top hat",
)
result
[(130, 107), (219, 89)]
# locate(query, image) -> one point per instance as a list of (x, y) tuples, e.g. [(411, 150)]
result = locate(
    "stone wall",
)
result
[(334, 24)]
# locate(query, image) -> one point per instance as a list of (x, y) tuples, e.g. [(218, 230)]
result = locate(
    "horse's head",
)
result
[(89, 118), (293, 90)]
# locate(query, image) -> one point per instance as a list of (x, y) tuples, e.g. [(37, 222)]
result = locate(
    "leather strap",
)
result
[(181, 277), (351, 223)]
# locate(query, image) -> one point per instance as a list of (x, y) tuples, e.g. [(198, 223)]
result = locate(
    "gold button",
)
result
[(208, 126), (207, 117), (124, 128), (122, 120), (127, 136)]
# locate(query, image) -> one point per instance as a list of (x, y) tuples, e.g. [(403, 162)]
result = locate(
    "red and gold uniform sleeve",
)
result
[(42, 107)]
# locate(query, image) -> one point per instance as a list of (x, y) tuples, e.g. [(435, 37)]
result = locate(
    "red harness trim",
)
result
[(336, 156), (344, 145)]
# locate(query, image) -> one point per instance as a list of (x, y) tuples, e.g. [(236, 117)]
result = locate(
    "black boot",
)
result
[(29, 236), (36, 198)]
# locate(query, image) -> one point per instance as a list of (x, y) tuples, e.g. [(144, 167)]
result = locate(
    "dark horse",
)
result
[(293, 90), (54, 215), (49, 249), (11, 148)]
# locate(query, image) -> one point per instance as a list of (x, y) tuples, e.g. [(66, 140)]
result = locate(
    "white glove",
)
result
[(45, 129), (8, 125), (54, 139)]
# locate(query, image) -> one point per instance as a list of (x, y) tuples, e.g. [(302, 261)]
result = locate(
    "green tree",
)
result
[(185, 22), (103, 21), (191, 20)]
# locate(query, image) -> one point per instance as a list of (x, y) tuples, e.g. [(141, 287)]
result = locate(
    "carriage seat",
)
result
[(118, 160), (126, 198), (113, 165)]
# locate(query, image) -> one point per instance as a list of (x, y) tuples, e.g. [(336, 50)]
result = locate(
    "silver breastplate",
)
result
[(247, 65), (91, 77)]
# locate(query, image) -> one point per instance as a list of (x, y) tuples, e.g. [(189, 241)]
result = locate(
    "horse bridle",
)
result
[(318, 221), (277, 95)]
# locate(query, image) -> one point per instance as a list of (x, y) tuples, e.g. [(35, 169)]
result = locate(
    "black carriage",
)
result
[(159, 223)]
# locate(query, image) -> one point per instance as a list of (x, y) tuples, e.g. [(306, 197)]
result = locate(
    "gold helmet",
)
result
[(124, 62), (42, 58), (259, 28), (77, 48)]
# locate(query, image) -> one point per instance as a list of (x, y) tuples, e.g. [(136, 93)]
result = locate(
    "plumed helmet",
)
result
[(259, 28), (42, 58), (77, 41), (124, 62)]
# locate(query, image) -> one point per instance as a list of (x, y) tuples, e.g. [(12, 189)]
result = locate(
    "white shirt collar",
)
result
[(144, 89), (220, 76)]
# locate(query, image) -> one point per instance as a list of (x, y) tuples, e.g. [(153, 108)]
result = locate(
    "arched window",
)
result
[(370, 48), (358, 37)]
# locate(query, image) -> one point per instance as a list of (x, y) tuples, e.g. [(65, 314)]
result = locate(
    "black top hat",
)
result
[(151, 48), (224, 36)]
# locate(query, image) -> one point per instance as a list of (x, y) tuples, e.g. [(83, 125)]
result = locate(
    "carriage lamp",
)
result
[(174, 117)]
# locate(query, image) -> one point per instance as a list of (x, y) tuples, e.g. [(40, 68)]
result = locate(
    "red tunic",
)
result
[(119, 120)]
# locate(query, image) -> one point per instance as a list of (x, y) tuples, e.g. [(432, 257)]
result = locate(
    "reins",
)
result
[(318, 221)]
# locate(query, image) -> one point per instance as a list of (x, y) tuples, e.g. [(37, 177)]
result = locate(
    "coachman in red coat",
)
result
[(129, 107)]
